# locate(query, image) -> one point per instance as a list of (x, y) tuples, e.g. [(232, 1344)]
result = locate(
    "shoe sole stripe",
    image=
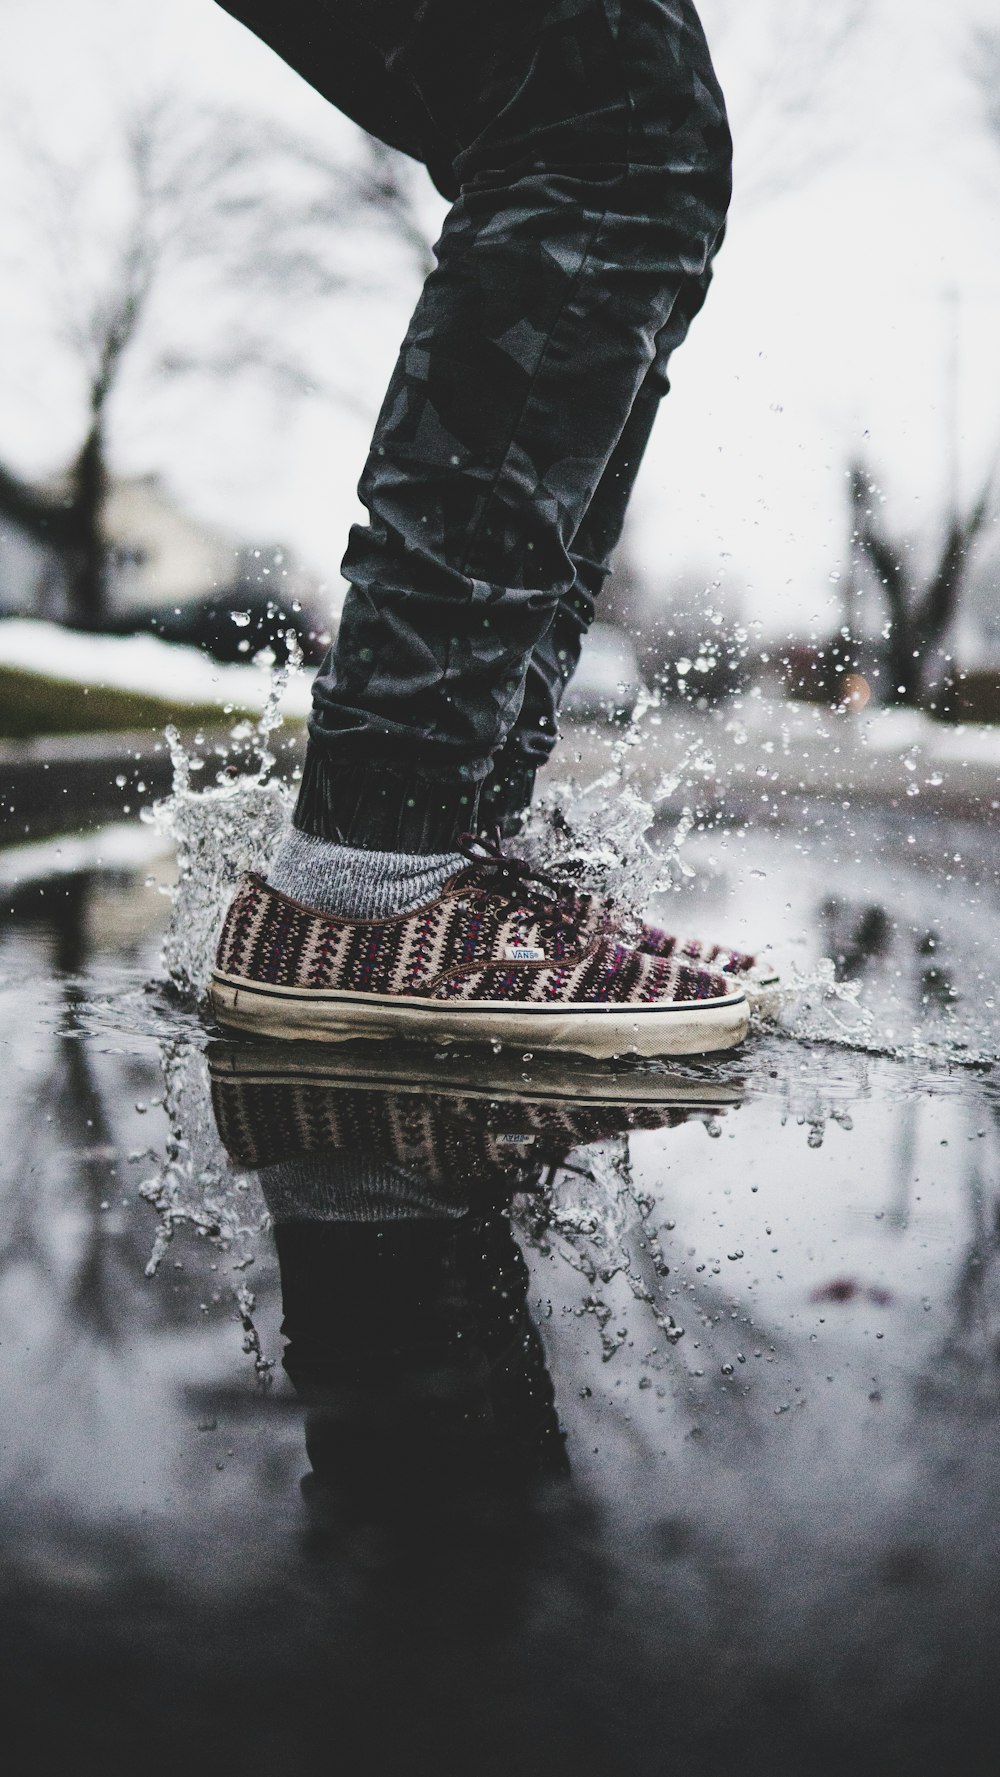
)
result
[(681, 1027)]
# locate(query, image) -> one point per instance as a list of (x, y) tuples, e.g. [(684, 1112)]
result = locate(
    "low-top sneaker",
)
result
[(756, 974), (502, 955), (595, 912)]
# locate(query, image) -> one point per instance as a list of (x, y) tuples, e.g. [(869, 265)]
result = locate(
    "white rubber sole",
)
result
[(323, 1015), (410, 1069)]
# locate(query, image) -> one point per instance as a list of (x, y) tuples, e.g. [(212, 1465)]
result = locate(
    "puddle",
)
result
[(630, 1412)]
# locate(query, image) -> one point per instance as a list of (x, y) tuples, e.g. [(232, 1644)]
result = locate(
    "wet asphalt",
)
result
[(617, 1424)]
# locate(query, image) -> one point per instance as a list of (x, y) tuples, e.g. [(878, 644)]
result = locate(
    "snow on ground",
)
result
[(120, 846), (889, 733), (142, 664)]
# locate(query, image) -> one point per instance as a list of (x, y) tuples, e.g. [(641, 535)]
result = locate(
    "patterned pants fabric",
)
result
[(585, 150)]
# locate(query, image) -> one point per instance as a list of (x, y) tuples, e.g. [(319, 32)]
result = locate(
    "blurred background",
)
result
[(206, 273), (204, 276)]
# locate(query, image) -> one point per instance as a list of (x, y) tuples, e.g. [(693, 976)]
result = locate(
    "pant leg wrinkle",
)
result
[(590, 153)]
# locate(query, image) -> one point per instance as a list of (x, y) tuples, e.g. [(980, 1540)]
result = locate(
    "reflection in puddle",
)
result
[(389, 1146), (611, 1411)]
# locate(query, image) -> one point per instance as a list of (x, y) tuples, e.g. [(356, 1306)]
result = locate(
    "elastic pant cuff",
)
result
[(382, 808)]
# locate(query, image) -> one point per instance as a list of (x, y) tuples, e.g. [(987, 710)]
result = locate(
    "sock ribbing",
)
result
[(340, 1187), (356, 883)]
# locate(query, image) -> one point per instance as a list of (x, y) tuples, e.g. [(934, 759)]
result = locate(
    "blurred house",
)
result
[(33, 524), (167, 571), (976, 644), (158, 554)]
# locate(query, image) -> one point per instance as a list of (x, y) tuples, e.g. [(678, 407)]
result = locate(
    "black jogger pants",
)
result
[(585, 149)]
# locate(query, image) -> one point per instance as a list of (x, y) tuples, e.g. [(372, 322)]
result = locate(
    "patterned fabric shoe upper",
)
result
[(596, 914), (499, 932), (448, 1140), (656, 942)]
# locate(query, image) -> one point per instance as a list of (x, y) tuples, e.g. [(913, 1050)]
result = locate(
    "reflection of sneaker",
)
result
[(403, 1140), (547, 1078), (502, 955)]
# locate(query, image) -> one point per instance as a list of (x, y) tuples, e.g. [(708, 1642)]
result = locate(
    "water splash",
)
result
[(195, 1187), (603, 835), (594, 1218), (600, 834), (220, 833)]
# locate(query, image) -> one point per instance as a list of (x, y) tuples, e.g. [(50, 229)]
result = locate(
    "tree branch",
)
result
[(940, 602)]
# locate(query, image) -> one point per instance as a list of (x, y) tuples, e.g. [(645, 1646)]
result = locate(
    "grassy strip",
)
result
[(31, 704)]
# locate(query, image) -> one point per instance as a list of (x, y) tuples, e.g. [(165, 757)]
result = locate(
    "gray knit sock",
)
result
[(339, 1187), (359, 884)]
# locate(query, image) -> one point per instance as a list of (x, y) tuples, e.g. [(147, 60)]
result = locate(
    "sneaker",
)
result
[(593, 913), (503, 955), (757, 975)]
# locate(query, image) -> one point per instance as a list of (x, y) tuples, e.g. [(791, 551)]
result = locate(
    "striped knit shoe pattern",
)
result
[(451, 1143), (759, 980), (503, 955), (756, 975)]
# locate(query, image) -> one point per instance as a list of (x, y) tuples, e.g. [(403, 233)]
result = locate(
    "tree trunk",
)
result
[(904, 672), (88, 576), (918, 621)]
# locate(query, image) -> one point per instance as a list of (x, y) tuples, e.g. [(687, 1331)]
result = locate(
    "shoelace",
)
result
[(555, 904)]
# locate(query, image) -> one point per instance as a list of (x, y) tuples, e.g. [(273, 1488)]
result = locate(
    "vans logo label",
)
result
[(523, 953)]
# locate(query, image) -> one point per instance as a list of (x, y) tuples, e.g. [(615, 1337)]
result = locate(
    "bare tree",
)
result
[(781, 64), (192, 241), (920, 611), (984, 61)]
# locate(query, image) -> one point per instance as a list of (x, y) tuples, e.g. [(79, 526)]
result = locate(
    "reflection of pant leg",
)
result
[(508, 789), (593, 187), (413, 1345)]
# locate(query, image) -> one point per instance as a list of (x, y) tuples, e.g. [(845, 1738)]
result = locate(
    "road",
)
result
[(640, 1430)]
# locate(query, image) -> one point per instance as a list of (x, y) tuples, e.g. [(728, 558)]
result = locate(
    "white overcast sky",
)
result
[(829, 328)]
